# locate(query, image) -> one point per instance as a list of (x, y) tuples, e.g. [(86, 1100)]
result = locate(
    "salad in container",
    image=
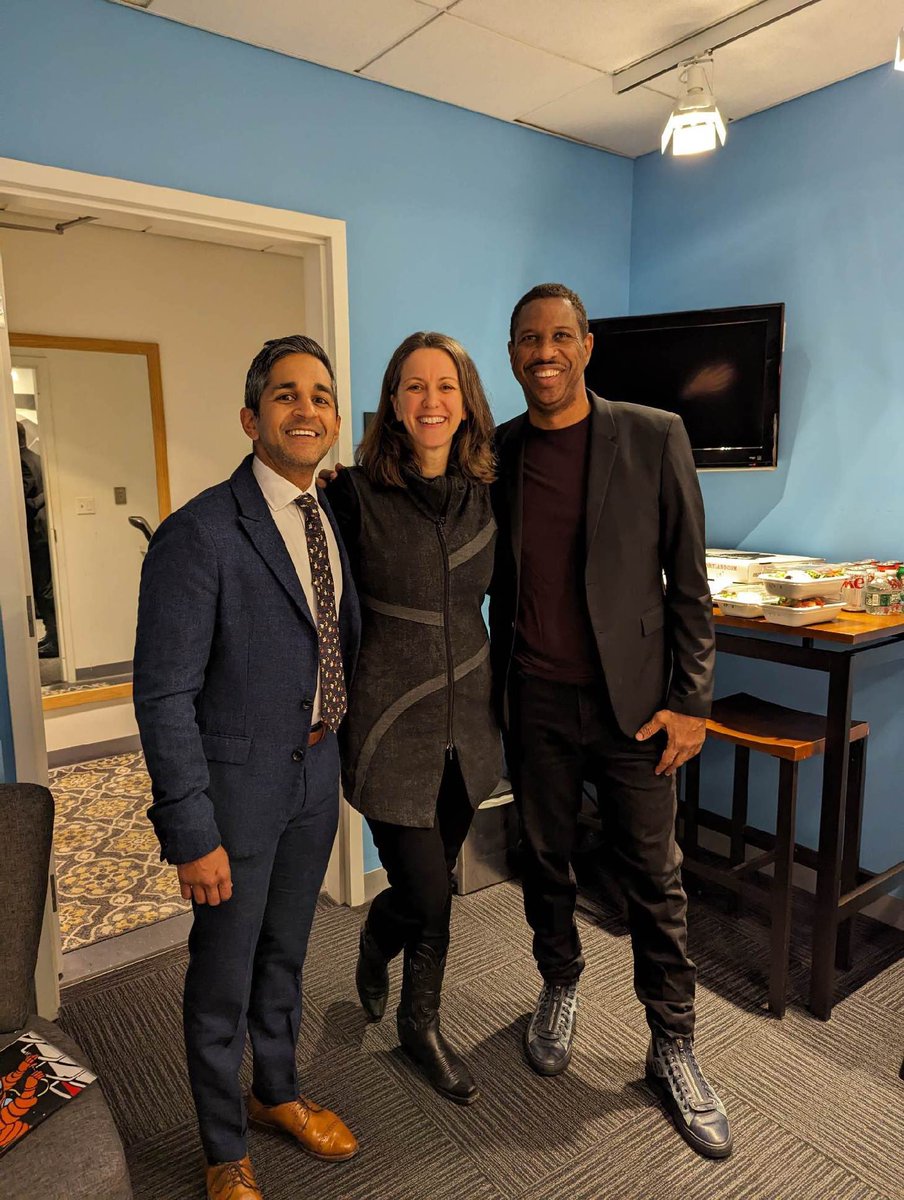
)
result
[(805, 583), (740, 600)]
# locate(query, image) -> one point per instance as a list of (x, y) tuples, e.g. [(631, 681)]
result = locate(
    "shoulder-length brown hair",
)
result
[(386, 447)]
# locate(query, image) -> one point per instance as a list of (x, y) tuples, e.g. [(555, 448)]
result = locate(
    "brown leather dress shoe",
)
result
[(317, 1130), (232, 1181)]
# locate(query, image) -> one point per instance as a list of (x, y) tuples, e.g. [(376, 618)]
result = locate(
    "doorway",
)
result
[(45, 198)]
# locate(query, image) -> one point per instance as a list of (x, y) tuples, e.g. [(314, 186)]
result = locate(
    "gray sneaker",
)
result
[(696, 1110), (550, 1034)]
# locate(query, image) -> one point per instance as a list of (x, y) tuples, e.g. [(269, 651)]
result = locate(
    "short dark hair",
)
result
[(23, 436), (552, 291), (259, 372)]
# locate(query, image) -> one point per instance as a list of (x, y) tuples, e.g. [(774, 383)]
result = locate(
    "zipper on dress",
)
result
[(450, 666)]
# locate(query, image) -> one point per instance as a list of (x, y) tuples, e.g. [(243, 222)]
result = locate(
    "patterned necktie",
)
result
[(332, 678)]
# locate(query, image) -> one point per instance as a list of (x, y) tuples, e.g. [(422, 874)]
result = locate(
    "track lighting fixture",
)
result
[(695, 123)]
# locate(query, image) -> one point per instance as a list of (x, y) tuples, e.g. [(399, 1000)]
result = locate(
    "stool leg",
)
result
[(850, 855), (739, 805), (739, 789), (691, 805), (781, 886)]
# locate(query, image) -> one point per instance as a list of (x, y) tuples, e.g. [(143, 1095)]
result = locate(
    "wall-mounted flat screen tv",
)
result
[(719, 369)]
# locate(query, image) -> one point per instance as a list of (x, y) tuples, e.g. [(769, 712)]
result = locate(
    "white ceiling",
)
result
[(549, 63)]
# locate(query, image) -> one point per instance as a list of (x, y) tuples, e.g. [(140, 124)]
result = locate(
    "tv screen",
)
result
[(718, 369)]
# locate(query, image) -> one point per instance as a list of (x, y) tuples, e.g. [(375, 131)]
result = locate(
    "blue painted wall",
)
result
[(804, 205), (451, 216)]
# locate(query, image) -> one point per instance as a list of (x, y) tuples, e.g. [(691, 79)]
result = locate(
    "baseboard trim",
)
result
[(70, 755), (105, 671), (887, 909), (374, 882)]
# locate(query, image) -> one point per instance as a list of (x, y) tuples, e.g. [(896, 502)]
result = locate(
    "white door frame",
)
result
[(321, 243)]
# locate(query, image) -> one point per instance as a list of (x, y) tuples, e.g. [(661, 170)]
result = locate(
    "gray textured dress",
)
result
[(422, 557)]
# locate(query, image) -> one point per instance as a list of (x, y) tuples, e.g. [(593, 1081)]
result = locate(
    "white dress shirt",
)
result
[(281, 494)]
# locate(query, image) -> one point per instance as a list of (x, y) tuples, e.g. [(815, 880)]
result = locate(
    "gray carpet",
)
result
[(818, 1108)]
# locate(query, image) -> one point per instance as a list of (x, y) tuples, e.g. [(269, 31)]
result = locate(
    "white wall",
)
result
[(89, 723), (94, 416), (209, 307)]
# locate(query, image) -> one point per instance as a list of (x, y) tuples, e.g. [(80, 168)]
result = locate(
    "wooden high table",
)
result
[(833, 648)]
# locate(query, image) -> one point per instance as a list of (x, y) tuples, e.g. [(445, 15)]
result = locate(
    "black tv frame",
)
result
[(732, 458)]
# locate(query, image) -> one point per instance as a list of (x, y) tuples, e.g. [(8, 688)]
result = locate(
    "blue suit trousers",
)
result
[(245, 965)]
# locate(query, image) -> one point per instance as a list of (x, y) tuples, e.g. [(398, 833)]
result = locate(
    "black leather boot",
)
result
[(372, 976), (419, 1032)]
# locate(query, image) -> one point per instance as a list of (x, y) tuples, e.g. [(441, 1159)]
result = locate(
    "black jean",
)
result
[(416, 906), (561, 735)]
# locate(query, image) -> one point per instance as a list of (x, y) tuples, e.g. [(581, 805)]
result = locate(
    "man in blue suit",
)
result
[(248, 626)]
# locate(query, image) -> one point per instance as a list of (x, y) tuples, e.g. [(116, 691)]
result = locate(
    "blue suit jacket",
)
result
[(226, 671)]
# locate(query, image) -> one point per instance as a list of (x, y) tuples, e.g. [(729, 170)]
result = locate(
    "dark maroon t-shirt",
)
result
[(553, 635)]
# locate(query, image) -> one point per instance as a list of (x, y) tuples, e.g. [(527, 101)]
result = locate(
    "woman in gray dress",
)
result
[(420, 746)]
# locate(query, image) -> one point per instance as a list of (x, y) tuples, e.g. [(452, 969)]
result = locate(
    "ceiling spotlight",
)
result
[(695, 122), (899, 56)]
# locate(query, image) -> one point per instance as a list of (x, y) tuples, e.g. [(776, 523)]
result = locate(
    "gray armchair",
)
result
[(76, 1153)]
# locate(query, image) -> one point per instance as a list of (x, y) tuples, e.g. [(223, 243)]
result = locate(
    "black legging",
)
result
[(416, 906)]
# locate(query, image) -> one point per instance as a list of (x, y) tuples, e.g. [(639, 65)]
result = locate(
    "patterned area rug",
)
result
[(58, 688), (109, 875)]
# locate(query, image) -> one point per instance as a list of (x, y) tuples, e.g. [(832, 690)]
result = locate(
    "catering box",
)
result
[(744, 566)]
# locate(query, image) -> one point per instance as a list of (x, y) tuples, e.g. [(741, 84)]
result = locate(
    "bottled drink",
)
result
[(884, 594)]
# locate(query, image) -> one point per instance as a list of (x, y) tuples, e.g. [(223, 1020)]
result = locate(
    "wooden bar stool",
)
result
[(791, 736)]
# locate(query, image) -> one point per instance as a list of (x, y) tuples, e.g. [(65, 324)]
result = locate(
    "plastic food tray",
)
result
[(739, 608), (783, 614), (798, 589)]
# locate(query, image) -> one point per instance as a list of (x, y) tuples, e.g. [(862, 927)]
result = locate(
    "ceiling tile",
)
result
[(344, 34), (595, 114), (606, 34), (829, 41), (457, 62)]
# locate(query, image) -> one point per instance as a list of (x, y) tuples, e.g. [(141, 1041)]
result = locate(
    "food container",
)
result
[(812, 614), (719, 582), (741, 601), (803, 583), (745, 566)]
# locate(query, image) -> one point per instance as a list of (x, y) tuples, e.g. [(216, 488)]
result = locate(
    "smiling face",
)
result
[(548, 357), (297, 423), (428, 402)]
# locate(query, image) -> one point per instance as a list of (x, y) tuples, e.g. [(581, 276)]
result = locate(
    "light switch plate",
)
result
[(119, 495), (84, 506)]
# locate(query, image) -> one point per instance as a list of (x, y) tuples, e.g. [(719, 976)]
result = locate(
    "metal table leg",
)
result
[(831, 831)]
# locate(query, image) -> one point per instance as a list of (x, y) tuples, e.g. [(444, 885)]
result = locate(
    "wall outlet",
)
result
[(84, 506), (119, 495)]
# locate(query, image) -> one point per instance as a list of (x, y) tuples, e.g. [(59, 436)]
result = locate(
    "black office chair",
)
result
[(141, 524)]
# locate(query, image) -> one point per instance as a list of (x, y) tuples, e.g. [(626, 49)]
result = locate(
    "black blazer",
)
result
[(655, 635)]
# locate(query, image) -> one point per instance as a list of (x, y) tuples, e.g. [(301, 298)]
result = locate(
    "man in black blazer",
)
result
[(248, 624), (603, 646)]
